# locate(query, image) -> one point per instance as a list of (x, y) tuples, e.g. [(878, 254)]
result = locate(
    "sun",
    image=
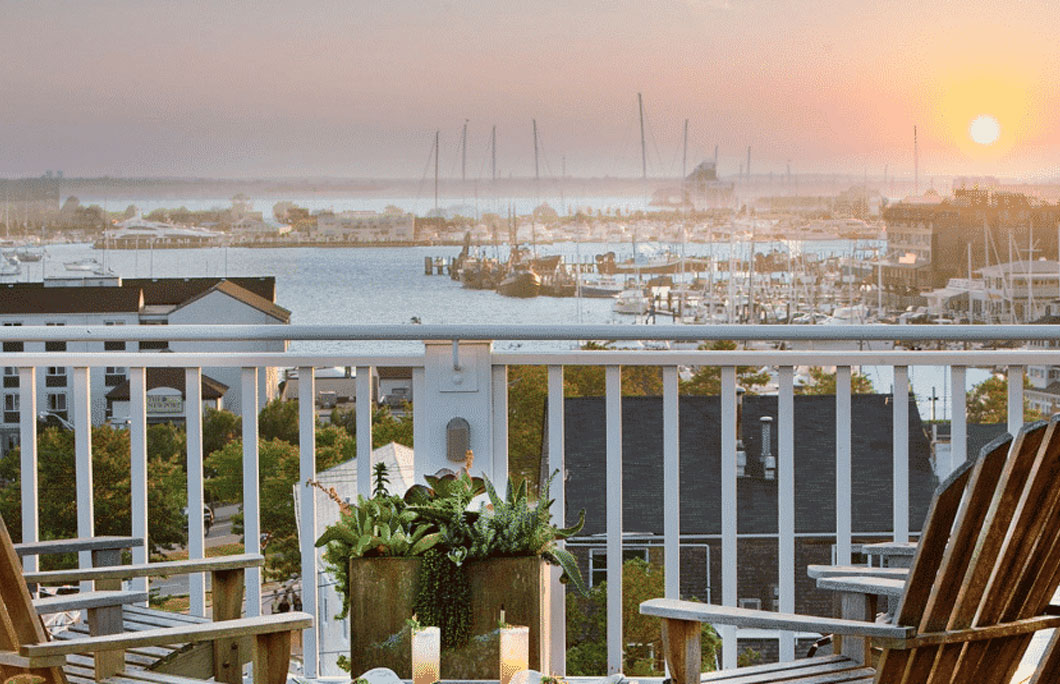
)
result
[(984, 129)]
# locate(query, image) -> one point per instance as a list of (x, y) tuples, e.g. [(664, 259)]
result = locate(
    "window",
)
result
[(13, 346), (598, 562), (55, 376), (55, 346), (113, 376), (56, 403), (113, 345), (750, 603), (10, 376), (11, 406), (11, 441)]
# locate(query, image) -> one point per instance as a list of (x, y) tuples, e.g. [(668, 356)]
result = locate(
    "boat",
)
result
[(84, 265), (25, 255), (137, 231), (520, 282), (9, 267), (603, 287), (633, 301)]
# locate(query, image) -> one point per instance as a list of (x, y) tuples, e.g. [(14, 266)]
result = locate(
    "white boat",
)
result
[(137, 230), (9, 267), (84, 265), (633, 302)]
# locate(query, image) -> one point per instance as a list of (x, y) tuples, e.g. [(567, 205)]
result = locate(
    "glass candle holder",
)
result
[(514, 651), (426, 655)]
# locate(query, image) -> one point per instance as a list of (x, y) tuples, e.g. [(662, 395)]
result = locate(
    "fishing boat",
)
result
[(602, 287), (633, 301), (520, 282)]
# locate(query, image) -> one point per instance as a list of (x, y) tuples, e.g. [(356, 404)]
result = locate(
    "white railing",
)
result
[(470, 379)]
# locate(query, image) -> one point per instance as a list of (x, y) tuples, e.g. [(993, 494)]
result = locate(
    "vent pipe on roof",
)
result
[(769, 462)]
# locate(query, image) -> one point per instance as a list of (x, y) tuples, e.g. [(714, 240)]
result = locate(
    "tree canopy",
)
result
[(987, 402)]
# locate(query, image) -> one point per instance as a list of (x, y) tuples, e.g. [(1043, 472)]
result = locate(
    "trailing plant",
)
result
[(443, 598)]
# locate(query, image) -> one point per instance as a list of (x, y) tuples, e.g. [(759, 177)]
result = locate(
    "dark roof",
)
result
[(35, 298), (247, 297), (699, 423), (981, 434), (170, 377), (173, 291), (394, 372)]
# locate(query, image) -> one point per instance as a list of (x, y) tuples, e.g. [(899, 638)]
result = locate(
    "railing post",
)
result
[(138, 467), (500, 426), (82, 403), (958, 417), (729, 589), (613, 471), (1015, 399), (27, 382), (671, 484), (843, 498), (364, 405), (558, 492), (900, 454), (786, 503), (251, 483), (456, 384), (196, 524), (307, 442)]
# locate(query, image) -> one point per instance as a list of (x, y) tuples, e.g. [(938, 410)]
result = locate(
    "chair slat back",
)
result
[(19, 622), (994, 560)]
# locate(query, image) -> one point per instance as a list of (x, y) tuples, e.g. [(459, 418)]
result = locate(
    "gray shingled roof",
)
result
[(700, 464)]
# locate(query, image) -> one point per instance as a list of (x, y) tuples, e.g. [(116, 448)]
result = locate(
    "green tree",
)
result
[(706, 380), (988, 401), (166, 486), (587, 626), (278, 473), (279, 420), (219, 427), (822, 382)]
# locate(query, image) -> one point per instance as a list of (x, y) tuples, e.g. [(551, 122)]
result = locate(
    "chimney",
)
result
[(769, 462)]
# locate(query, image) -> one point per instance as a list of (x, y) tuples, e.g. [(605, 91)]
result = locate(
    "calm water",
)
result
[(388, 286)]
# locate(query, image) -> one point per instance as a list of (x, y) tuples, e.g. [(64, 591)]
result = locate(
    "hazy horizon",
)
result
[(356, 90)]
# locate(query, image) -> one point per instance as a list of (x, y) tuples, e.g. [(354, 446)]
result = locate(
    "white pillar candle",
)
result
[(426, 654), (514, 651)]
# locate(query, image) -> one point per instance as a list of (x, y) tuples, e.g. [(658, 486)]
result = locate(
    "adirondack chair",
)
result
[(984, 572), (25, 648)]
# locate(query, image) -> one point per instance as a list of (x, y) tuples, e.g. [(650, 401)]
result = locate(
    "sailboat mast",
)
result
[(643, 148), (684, 153), (463, 154), (537, 175), (493, 154), (436, 138)]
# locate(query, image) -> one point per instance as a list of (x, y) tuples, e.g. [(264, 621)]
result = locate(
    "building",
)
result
[(700, 497), (113, 301), (365, 226), (165, 397), (931, 240)]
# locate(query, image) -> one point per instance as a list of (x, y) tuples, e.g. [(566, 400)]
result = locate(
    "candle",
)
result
[(426, 653), (514, 651)]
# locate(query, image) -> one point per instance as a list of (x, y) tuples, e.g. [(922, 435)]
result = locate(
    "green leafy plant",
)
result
[(381, 479), (443, 598)]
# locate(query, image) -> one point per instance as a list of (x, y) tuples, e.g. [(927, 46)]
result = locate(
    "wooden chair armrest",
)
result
[(88, 599), (672, 609), (208, 631), (819, 571), (165, 568), (878, 586), (16, 660), (105, 543)]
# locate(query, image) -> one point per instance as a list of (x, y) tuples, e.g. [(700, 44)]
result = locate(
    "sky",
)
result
[(357, 88)]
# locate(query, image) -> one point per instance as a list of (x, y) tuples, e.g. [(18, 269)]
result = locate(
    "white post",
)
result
[(958, 418), (786, 504), (499, 380), (613, 422), (1015, 399), (138, 467), (82, 409), (307, 447), (671, 484), (843, 499), (196, 525), (557, 462), (27, 382), (729, 589), (251, 483), (365, 403), (900, 455)]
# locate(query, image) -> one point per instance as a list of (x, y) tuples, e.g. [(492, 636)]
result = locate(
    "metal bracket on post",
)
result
[(456, 354)]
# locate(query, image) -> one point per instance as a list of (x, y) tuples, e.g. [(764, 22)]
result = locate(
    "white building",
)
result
[(1020, 291), (366, 226), (114, 301)]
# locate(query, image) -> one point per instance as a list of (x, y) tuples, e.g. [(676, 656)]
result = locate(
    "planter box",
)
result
[(382, 592)]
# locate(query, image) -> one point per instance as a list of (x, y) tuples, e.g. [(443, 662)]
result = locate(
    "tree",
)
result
[(587, 626), (822, 382), (166, 486), (279, 420), (219, 427), (988, 401), (706, 380), (278, 472)]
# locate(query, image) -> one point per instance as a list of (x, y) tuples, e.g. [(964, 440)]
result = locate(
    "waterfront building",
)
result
[(113, 301), (365, 226)]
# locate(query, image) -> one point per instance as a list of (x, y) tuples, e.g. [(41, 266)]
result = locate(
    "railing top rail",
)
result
[(778, 333)]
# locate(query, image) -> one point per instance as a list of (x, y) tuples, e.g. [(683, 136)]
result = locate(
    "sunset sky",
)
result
[(357, 88)]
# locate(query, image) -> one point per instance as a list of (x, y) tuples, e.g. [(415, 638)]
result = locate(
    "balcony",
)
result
[(459, 371)]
